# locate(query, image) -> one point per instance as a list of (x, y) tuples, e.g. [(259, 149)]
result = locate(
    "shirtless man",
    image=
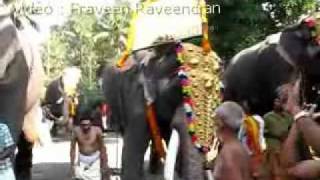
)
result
[(233, 160), (305, 127), (92, 161)]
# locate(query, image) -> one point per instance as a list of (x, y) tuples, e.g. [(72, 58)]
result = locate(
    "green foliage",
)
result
[(86, 41), (89, 40), (243, 23)]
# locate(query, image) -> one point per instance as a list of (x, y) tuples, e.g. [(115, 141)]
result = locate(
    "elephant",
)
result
[(253, 75), (152, 76), (20, 89), (61, 98)]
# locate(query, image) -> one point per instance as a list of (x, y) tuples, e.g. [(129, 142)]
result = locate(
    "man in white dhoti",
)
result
[(92, 159)]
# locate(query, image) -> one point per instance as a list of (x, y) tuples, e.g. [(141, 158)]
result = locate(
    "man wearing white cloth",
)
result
[(92, 159)]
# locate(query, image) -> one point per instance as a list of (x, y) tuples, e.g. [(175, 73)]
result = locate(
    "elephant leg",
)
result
[(135, 143), (54, 130), (23, 160), (191, 161)]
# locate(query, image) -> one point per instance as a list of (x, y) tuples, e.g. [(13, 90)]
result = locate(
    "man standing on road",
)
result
[(233, 160), (7, 148), (92, 159)]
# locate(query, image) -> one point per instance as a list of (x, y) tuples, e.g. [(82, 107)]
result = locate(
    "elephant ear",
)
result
[(9, 45), (303, 32)]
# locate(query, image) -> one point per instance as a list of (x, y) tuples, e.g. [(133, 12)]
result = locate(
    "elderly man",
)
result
[(305, 127), (233, 160)]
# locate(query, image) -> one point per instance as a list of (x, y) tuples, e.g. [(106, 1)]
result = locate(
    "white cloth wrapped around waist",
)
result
[(88, 167), (88, 160)]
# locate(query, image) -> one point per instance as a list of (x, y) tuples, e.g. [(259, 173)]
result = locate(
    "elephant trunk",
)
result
[(173, 147)]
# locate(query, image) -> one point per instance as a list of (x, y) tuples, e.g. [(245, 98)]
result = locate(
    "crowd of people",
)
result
[(289, 133), (281, 145)]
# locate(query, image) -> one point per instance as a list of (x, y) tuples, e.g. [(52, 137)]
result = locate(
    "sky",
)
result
[(55, 12)]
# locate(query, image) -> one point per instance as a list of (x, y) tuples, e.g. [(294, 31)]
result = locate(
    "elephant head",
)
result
[(164, 71), (302, 43), (61, 96), (153, 79), (253, 74)]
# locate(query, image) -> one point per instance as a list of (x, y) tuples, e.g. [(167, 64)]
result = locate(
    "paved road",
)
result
[(51, 162)]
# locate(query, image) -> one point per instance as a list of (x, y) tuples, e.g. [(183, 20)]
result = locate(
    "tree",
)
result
[(85, 40), (110, 28), (243, 23)]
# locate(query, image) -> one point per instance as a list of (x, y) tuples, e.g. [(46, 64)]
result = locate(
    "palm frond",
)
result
[(101, 36)]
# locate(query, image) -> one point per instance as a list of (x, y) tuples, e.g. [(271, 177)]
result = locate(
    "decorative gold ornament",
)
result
[(204, 72)]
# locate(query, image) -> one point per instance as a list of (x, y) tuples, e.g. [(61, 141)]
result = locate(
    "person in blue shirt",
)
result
[(7, 148)]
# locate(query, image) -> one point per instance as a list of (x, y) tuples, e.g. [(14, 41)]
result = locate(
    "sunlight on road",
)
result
[(58, 152)]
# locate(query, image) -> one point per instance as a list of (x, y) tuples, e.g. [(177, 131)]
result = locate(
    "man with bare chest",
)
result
[(92, 159), (233, 160)]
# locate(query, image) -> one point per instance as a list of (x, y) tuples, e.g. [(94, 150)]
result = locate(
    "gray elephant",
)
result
[(153, 78), (254, 74), (61, 99), (21, 75)]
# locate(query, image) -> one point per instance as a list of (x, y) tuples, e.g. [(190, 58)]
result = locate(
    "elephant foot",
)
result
[(155, 168), (54, 130), (24, 175), (23, 160)]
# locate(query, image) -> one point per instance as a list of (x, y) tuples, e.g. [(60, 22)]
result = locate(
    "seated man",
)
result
[(7, 148), (92, 161), (233, 160), (305, 127)]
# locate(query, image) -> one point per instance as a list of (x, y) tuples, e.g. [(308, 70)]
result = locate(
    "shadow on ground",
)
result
[(51, 171)]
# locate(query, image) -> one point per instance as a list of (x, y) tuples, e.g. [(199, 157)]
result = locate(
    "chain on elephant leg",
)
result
[(23, 160)]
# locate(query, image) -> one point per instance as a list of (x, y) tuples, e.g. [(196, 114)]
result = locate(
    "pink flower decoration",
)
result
[(179, 49), (310, 21), (318, 40), (185, 82)]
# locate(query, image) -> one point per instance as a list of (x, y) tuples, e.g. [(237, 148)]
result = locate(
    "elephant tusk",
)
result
[(209, 175), (171, 157), (162, 159)]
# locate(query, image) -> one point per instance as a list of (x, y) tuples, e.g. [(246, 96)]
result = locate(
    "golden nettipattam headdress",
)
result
[(200, 78)]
